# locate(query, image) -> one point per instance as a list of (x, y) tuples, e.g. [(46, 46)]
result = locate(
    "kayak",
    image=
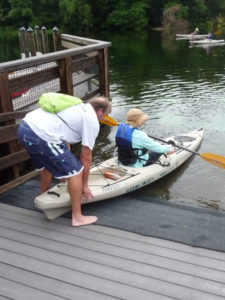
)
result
[(191, 36), (206, 46), (109, 179), (207, 42)]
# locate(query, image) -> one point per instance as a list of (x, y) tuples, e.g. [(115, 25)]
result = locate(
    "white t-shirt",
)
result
[(81, 118)]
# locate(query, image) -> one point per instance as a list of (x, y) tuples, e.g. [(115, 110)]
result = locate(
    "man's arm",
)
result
[(86, 159)]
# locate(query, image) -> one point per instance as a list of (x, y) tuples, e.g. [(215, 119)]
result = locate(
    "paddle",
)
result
[(109, 121), (211, 158)]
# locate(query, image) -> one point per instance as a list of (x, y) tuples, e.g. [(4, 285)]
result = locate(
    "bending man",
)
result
[(46, 137)]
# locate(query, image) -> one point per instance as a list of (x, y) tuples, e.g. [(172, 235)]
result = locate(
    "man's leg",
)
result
[(75, 191), (46, 178)]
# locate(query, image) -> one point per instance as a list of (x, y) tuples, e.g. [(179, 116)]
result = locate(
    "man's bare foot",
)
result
[(83, 220)]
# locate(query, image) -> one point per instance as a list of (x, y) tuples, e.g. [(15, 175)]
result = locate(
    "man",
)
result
[(135, 148), (46, 137)]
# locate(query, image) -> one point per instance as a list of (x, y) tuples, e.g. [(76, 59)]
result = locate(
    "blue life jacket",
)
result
[(124, 135), (126, 153)]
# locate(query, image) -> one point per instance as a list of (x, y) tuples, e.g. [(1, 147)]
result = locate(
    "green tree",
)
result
[(100, 11), (20, 12), (4, 8), (197, 11), (46, 13), (216, 7), (129, 16), (79, 16), (75, 15)]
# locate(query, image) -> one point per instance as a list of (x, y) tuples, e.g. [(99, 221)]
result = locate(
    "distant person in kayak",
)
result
[(135, 148), (210, 36), (197, 31), (46, 137)]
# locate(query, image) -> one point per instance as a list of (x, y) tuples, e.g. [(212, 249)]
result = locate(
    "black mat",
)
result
[(194, 226), (189, 225)]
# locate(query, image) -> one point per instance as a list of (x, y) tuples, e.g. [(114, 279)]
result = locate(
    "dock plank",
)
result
[(13, 290), (136, 278), (93, 240), (46, 284), (96, 262), (111, 232)]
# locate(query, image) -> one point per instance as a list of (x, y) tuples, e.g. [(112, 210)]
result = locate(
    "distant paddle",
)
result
[(214, 159)]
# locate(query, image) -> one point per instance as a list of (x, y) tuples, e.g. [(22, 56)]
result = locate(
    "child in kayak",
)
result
[(135, 148)]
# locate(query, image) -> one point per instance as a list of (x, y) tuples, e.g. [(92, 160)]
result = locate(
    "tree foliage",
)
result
[(129, 16), (80, 16), (75, 15)]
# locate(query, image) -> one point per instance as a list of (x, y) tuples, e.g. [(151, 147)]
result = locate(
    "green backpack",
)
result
[(56, 102)]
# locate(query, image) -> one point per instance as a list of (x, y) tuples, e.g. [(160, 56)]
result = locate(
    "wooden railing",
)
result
[(80, 69)]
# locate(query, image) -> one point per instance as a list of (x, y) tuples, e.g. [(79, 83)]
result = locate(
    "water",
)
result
[(181, 89)]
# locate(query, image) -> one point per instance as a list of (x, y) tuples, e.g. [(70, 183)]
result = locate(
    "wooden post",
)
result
[(37, 34), (31, 42), (103, 57), (44, 39), (6, 102), (65, 73), (6, 106), (23, 38), (56, 39)]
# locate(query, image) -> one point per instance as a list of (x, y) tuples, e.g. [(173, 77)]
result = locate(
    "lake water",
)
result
[(181, 88)]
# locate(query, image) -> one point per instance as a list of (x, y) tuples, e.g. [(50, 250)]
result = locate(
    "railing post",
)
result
[(6, 102), (56, 39), (6, 106), (65, 74), (37, 34), (30, 34), (44, 39), (103, 58), (23, 42)]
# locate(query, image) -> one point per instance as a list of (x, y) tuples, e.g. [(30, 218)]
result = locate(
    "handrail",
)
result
[(49, 57)]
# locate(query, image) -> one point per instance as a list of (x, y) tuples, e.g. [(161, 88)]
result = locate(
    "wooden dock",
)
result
[(43, 259)]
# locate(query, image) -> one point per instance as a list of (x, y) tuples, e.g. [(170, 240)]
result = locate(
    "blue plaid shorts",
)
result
[(56, 158)]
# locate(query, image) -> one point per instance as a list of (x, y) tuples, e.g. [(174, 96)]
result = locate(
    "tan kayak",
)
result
[(108, 179)]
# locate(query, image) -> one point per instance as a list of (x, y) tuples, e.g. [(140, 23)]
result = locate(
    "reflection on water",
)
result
[(182, 89)]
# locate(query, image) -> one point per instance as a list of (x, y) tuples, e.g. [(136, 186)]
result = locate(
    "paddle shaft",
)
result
[(155, 138), (111, 122), (211, 158)]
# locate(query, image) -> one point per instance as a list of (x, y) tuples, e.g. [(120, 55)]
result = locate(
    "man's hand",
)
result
[(87, 194)]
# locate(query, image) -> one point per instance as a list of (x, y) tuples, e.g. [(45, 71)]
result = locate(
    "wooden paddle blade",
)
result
[(109, 121), (214, 159)]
